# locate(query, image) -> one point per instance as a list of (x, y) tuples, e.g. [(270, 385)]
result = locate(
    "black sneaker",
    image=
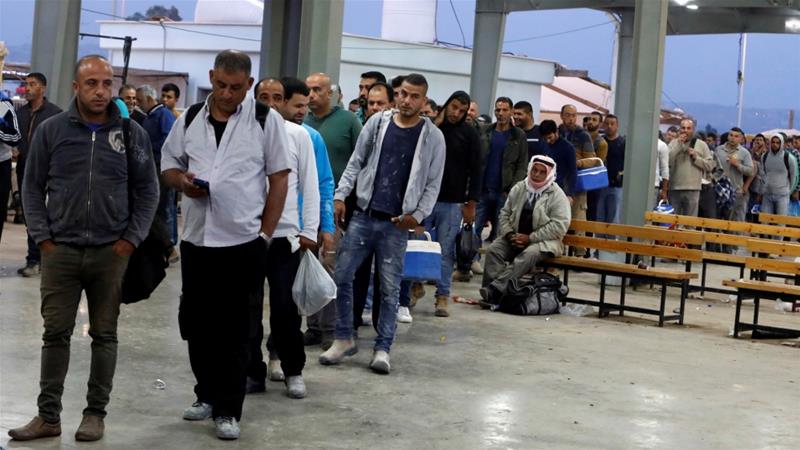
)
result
[(312, 337)]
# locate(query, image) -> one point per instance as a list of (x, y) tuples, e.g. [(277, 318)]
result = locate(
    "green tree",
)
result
[(157, 11)]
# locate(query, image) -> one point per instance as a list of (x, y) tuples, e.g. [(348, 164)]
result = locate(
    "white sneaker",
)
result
[(380, 362), (198, 411), (339, 349), (404, 315), (476, 268), (274, 371), (227, 428), (295, 387)]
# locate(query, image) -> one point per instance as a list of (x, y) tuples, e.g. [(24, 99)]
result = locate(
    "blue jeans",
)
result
[(172, 214), (488, 210), (775, 204), (366, 235), (608, 201), (443, 224)]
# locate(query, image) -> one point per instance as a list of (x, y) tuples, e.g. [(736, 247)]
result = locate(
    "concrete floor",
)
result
[(472, 381)]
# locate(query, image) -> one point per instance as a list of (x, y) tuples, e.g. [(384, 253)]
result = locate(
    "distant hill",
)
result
[(754, 120), (22, 53)]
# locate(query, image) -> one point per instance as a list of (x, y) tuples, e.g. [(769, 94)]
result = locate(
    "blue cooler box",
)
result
[(592, 178), (423, 260)]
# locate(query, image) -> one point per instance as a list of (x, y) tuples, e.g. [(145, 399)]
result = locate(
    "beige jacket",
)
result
[(551, 217)]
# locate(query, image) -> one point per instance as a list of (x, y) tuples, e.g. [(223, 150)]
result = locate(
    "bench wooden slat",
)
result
[(724, 257), (773, 265), (778, 219), (773, 247), (768, 286), (725, 225), (621, 268), (647, 233), (635, 248)]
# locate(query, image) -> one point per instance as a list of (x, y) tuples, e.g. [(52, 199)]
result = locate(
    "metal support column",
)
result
[(624, 71), (56, 24), (280, 38), (487, 47), (321, 38), (649, 38)]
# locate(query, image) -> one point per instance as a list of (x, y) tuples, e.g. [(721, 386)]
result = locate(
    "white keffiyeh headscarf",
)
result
[(535, 189)]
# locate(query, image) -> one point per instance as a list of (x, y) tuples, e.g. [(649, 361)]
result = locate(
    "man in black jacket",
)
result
[(458, 194), (37, 110), (504, 159), (101, 199)]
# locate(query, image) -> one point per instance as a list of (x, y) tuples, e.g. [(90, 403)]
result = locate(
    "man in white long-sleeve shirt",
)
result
[(662, 171), (296, 232)]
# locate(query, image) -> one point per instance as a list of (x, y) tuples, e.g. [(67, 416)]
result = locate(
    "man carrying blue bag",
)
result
[(398, 163)]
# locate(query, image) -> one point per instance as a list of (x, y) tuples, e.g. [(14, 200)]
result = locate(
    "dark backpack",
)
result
[(539, 294), (467, 244), (148, 263)]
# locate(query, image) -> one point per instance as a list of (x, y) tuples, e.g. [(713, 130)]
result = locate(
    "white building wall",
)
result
[(447, 69)]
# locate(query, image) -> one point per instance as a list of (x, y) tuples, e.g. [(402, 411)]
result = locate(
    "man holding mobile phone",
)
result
[(221, 152)]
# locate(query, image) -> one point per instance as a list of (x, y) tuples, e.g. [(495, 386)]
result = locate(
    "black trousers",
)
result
[(220, 284), (286, 338)]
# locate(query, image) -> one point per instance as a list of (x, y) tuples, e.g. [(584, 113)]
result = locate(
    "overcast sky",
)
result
[(697, 68)]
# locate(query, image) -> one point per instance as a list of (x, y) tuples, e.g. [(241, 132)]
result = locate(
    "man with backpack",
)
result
[(89, 201), (533, 223), (221, 154), (736, 165), (778, 169)]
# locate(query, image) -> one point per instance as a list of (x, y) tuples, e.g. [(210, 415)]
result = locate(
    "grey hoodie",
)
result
[(76, 182), (426, 169), (777, 180)]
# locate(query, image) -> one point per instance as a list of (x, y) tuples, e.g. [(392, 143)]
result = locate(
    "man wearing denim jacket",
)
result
[(398, 163)]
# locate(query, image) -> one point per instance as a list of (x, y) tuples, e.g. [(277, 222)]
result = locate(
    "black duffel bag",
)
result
[(530, 295)]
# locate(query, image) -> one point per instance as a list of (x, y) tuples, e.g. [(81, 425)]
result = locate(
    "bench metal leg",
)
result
[(601, 312), (566, 277), (622, 297), (684, 293), (663, 303), (703, 279), (738, 313), (757, 307)]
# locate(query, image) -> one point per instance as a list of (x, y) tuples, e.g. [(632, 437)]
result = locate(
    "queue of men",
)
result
[(287, 170)]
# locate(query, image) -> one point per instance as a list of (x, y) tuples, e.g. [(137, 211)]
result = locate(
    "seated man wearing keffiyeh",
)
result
[(533, 222)]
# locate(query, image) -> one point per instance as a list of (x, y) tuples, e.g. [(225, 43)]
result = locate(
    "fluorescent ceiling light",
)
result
[(682, 2), (793, 25), (692, 7)]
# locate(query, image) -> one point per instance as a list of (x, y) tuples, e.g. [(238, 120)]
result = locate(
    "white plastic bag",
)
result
[(576, 310), (313, 288)]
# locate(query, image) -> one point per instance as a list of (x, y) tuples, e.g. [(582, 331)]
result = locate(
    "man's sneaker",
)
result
[(274, 371), (227, 428), (255, 386), (30, 271), (35, 429), (91, 429), (404, 315), (174, 256), (380, 362), (337, 352), (198, 411), (441, 306), (476, 268), (312, 337), (295, 387), (327, 340)]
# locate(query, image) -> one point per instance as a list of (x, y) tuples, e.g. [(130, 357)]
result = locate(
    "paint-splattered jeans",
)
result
[(366, 235)]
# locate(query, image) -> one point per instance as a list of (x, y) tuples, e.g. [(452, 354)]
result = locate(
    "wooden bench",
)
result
[(778, 219), (761, 288), (719, 231), (626, 270)]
